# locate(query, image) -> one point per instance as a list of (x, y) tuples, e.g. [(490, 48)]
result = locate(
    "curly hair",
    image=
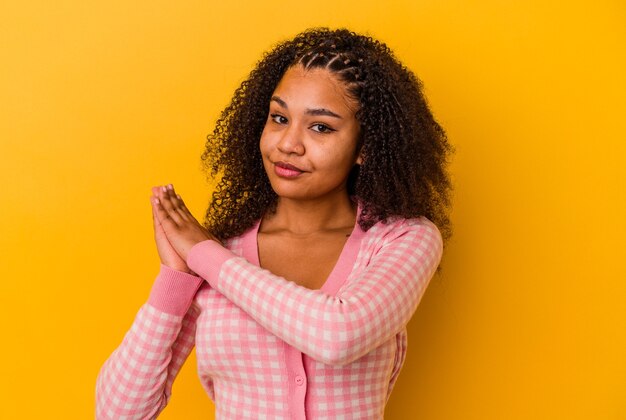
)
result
[(404, 150)]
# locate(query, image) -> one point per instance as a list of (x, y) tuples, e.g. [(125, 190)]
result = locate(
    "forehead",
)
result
[(314, 88)]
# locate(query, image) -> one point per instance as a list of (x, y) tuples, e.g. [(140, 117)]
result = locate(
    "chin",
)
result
[(290, 192), (294, 192)]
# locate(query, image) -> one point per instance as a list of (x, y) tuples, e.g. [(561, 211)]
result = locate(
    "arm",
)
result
[(375, 305), (136, 380)]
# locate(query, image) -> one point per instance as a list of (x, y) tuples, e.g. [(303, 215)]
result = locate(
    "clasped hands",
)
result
[(176, 231)]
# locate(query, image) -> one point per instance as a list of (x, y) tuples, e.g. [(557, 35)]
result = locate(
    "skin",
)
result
[(311, 125), (176, 231)]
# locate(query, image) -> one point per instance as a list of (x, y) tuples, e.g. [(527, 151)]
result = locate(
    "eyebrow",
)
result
[(309, 111)]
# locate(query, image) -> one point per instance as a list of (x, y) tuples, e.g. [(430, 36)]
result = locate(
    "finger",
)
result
[(155, 195), (157, 224), (179, 204), (169, 206), (184, 206), (163, 216), (174, 205)]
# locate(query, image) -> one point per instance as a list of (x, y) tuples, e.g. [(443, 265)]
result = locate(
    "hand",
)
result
[(167, 253), (180, 229)]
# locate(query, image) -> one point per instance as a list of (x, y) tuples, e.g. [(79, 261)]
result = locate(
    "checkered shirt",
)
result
[(268, 348)]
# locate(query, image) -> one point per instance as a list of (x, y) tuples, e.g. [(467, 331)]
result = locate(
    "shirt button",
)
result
[(299, 380)]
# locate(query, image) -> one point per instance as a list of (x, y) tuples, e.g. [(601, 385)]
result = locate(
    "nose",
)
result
[(291, 141)]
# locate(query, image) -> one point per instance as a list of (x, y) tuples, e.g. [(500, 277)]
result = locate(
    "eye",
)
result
[(278, 119), (322, 128)]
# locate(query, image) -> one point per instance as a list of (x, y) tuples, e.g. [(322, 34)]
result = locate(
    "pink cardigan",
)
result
[(268, 348)]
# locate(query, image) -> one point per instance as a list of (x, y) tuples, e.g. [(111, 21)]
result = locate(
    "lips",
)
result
[(288, 166), (286, 170)]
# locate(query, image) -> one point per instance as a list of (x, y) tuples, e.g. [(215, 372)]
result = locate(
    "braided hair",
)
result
[(404, 150)]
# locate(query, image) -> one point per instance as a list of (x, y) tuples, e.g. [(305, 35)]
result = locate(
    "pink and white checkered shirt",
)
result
[(268, 348)]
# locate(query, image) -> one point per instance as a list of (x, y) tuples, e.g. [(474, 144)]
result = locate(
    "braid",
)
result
[(344, 63)]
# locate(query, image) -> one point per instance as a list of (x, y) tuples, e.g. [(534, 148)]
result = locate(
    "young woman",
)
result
[(322, 235)]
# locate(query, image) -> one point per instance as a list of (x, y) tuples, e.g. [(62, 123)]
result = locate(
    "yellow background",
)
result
[(101, 100)]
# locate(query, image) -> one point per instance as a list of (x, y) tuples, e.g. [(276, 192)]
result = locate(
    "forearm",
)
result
[(374, 305), (136, 380)]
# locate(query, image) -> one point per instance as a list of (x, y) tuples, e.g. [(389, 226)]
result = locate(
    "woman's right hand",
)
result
[(167, 254)]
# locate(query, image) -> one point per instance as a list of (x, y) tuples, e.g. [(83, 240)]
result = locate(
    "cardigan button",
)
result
[(299, 380)]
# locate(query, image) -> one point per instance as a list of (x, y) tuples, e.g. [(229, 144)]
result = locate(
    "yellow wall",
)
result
[(101, 100)]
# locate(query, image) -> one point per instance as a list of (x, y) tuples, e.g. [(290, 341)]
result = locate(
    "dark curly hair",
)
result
[(405, 151)]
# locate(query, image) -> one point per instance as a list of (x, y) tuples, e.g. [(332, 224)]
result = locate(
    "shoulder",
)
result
[(417, 239), (398, 228)]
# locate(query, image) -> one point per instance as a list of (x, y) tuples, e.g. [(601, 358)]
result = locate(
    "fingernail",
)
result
[(163, 188), (170, 187)]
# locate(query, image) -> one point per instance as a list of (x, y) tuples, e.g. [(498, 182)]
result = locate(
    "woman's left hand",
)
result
[(182, 229)]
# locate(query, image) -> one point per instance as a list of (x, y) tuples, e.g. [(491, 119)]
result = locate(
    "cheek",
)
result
[(264, 143), (344, 154), (265, 148), (336, 163)]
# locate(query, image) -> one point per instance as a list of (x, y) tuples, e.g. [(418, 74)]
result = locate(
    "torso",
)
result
[(236, 354), (306, 260)]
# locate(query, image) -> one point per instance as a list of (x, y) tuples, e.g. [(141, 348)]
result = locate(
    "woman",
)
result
[(323, 233)]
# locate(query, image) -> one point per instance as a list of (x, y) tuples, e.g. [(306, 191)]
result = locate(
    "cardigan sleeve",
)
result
[(375, 304), (135, 382)]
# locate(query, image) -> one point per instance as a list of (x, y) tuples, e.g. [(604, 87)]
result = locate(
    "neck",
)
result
[(306, 217)]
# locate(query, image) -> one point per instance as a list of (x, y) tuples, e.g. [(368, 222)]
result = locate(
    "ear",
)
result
[(359, 159)]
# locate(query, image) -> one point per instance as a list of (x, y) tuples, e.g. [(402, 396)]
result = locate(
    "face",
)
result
[(309, 143)]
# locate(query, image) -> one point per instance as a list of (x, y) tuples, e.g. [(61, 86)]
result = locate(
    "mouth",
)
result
[(289, 166), (286, 170)]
